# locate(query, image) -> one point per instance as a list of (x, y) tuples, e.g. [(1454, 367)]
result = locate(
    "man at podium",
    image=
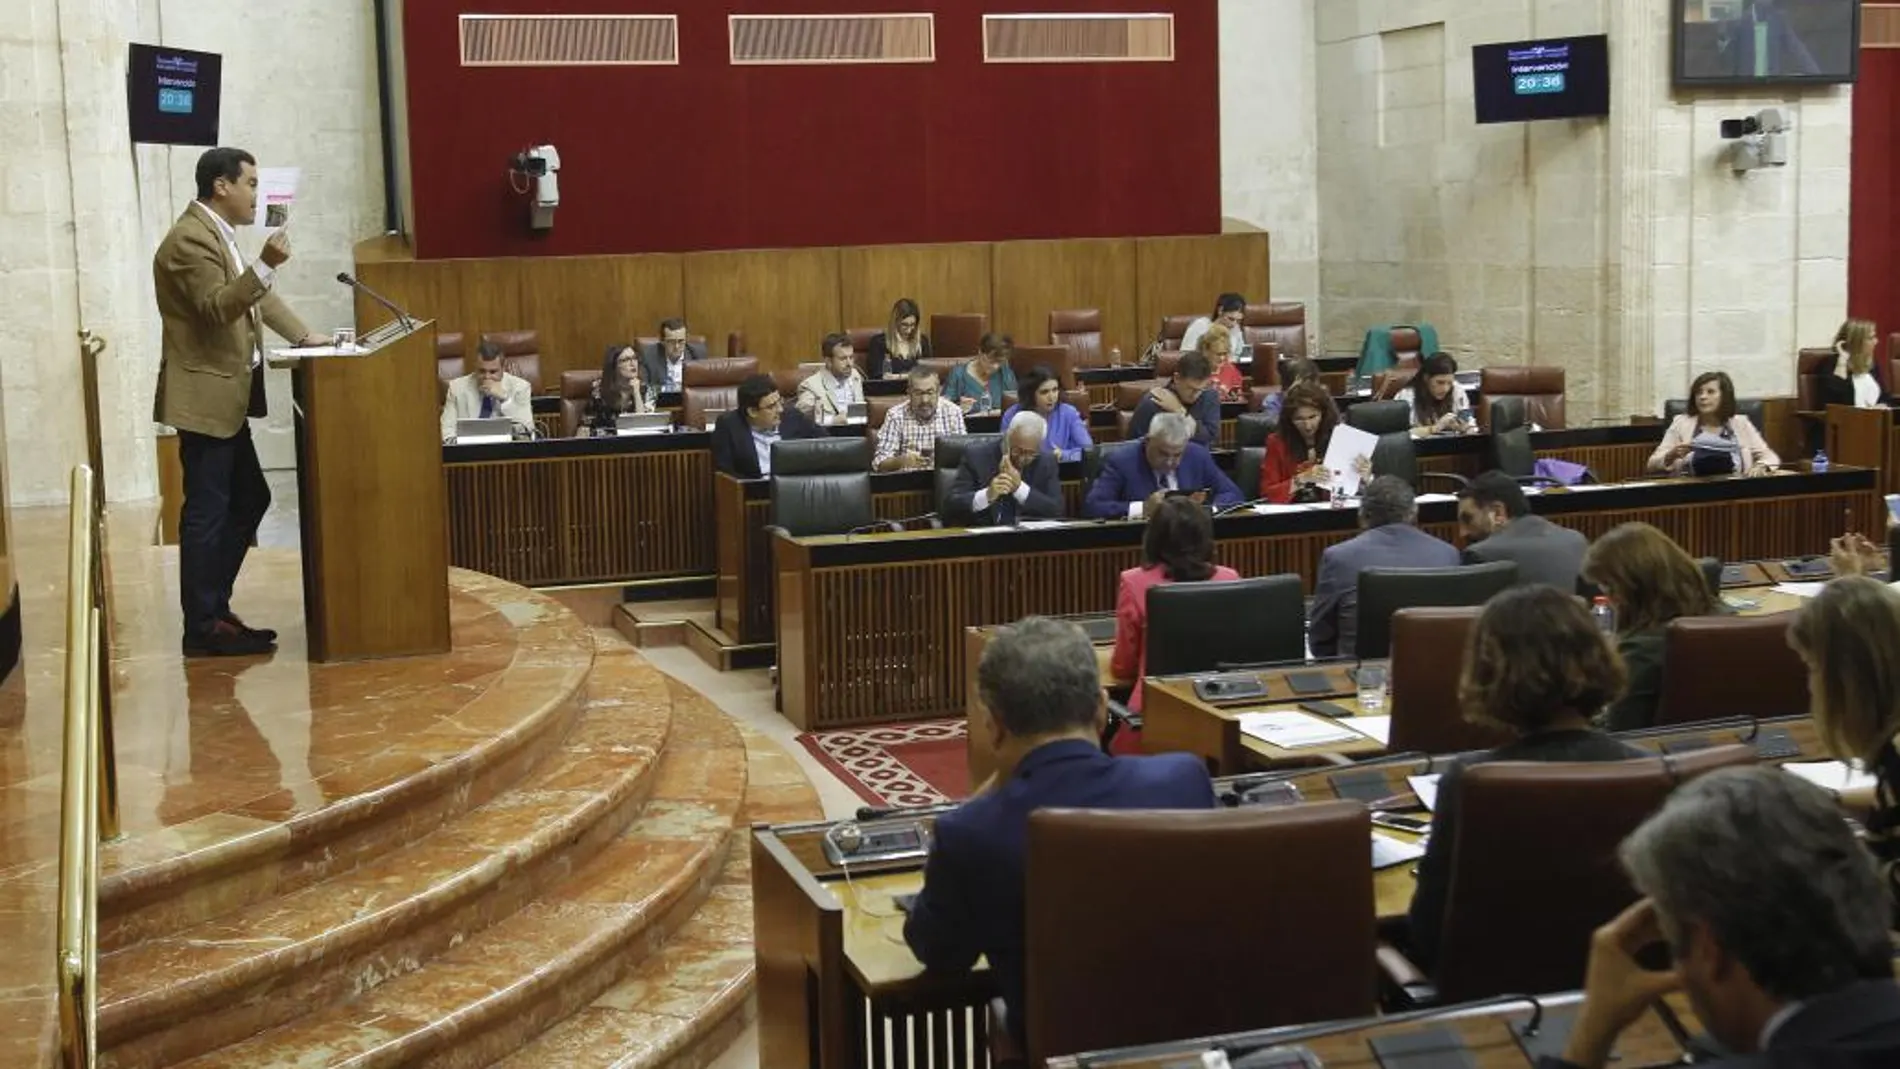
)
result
[(210, 378)]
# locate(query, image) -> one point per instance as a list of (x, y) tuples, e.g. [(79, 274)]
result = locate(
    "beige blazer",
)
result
[(465, 402), (210, 318), (815, 400), (1682, 431)]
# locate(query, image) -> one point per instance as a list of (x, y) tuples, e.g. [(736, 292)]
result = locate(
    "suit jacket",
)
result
[(653, 362), (980, 465), (1545, 553), (972, 900), (465, 402), (1126, 478), (209, 314), (1839, 391), (1635, 708), (733, 450), (1856, 1027), (815, 399), (1334, 630)]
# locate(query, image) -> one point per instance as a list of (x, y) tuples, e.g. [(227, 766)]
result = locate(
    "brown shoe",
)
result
[(264, 633), (226, 640)]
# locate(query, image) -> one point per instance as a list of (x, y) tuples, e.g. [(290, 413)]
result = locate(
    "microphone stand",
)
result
[(408, 322)]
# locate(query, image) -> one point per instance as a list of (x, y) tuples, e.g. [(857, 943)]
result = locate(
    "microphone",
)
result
[(407, 321)]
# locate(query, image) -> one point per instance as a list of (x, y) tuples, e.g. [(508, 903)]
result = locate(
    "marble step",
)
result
[(219, 982), (487, 996), (398, 748)]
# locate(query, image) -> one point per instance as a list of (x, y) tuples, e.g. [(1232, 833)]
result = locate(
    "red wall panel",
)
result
[(1873, 250), (706, 155)]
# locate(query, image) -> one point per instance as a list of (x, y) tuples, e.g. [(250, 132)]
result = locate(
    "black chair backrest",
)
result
[(1380, 417), (832, 503), (821, 456), (1744, 406), (1247, 465), (1251, 429), (1506, 413), (1511, 450), (1096, 455), (1384, 591), (1197, 627), (1395, 455), (949, 456)]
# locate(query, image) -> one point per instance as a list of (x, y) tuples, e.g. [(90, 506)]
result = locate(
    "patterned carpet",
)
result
[(897, 764)]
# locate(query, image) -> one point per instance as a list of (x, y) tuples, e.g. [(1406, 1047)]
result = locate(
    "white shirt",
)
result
[(1165, 482), (265, 273), (1866, 391), (981, 499), (762, 441), (674, 370), (1191, 338)]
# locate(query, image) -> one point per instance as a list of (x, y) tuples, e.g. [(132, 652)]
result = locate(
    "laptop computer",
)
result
[(857, 413), (484, 431), (643, 423)]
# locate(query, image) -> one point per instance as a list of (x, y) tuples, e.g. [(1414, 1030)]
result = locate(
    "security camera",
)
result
[(1763, 140), (539, 165)]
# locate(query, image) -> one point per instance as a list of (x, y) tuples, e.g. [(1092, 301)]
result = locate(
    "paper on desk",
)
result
[(1799, 590), (1426, 499), (1833, 775), (1426, 787), (1294, 731), (1041, 525), (986, 530), (1387, 851), (1342, 457), (1269, 509), (1378, 728)]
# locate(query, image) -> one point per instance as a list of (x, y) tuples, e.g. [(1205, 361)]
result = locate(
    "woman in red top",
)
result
[(1218, 346), (1295, 451), (1178, 547)]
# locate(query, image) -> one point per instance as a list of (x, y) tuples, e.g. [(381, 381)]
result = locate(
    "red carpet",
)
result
[(897, 764)]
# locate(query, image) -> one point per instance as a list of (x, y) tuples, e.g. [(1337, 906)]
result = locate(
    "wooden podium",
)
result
[(370, 497)]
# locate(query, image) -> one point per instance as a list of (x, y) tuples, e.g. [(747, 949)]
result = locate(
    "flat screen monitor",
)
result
[(1555, 78), (172, 95), (1766, 42)]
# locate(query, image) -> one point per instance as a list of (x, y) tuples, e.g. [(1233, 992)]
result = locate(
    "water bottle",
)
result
[(1604, 614), (1820, 461)]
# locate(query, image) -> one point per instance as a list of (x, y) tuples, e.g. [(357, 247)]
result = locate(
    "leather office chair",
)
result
[(1498, 938), (861, 341), (520, 354), (948, 456), (1081, 330), (1252, 429), (1265, 369), (1395, 455), (1541, 389), (1380, 417), (576, 388), (1700, 680), (451, 356), (1060, 359), (943, 366), (1428, 652), (1407, 346), (700, 406), (735, 344), (1166, 363), (1744, 406), (1248, 461), (955, 335), (1120, 954), (876, 408), (1173, 329), (821, 486), (1094, 456), (1128, 397), (1811, 368), (1509, 449), (787, 380), (1198, 627), (718, 371), (1278, 323), (1384, 591)]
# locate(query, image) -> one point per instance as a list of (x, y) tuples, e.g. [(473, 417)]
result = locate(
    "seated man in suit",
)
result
[(1003, 481), (1776, 925), (663, 366), (1388, 514), (743, 437), (488, 392), (1187, 392), (1498, 525), (1046, 710), (1136, 479), (826, 395)]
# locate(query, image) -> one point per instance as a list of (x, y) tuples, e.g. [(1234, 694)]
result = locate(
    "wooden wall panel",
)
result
[(582, 304), (467, 296), (1176, 276), (940, 278), (1034, 278), (786, 300)]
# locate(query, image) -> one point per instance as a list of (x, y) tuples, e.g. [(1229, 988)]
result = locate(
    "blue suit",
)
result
[(1334, 618), (1126, 478), (972, 901)]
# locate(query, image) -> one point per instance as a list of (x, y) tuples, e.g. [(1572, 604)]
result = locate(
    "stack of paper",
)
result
[(1377, 728), (1387, 851), (1426, 787), (1799, 590), (1833, 775), (1294, 731)]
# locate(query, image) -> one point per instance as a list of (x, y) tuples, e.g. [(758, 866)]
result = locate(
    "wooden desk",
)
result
[(871, 627)]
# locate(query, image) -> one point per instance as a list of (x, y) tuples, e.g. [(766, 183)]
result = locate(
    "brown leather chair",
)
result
[(1120, 954), (1715, 666), (576, 388), (1058, 358), (700, 405), (1173, 329), (1541, 387), (1166, 362), (861, 345), (647, 341), (787, 380), (1428, 652), (943, 365), (1281, 323), (876, 408), (1387, 384), (955, 335), (1265, 370), (1811, 368), (1407, 346), (451, 356), (735, 344), (1563, 822), (1081, 330), (715, 371), (1128, 396), (520, 354)]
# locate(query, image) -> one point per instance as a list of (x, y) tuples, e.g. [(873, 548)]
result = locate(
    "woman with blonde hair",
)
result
[(1854, 380), (1218, 345), (1650, 581), (892, 354)]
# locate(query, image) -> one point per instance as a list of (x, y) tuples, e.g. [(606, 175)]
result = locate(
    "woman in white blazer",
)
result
[(1698, 441)]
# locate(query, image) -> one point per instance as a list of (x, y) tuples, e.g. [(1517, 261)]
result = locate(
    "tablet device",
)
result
[(1309, 683), (1330, 709)]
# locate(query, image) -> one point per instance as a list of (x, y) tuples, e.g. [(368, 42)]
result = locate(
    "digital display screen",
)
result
[(1759, 42), (1558, 78), (172, 95)]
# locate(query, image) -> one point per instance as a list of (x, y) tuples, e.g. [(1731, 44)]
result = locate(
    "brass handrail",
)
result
[(76, 950), (90, 347)]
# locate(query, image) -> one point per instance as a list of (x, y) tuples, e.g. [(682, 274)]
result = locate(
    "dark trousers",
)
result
[(225, 500)]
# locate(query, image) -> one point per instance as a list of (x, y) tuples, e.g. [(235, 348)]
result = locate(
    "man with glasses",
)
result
[(743, 438), (665, 364), (1166, 462), (1011, 479), (1186, 393), (908, 438)]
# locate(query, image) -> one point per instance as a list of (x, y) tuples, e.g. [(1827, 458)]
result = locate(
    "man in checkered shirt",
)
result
[(909, 435)]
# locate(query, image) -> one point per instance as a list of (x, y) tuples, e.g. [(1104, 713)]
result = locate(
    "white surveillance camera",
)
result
[(539, 165), (1771, 120)]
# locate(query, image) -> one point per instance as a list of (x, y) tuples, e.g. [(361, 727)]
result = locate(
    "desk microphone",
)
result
[(407, 321)]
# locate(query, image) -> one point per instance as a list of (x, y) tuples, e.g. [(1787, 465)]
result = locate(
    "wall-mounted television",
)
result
[(1553, 78), (172, 95), (1766, 42)]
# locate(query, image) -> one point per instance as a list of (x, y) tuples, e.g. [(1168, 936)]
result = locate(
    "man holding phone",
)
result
[(1168, 462), (213, 307)]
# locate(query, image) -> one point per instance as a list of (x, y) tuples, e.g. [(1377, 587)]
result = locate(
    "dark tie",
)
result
[(488, 407), (1006, 511)]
